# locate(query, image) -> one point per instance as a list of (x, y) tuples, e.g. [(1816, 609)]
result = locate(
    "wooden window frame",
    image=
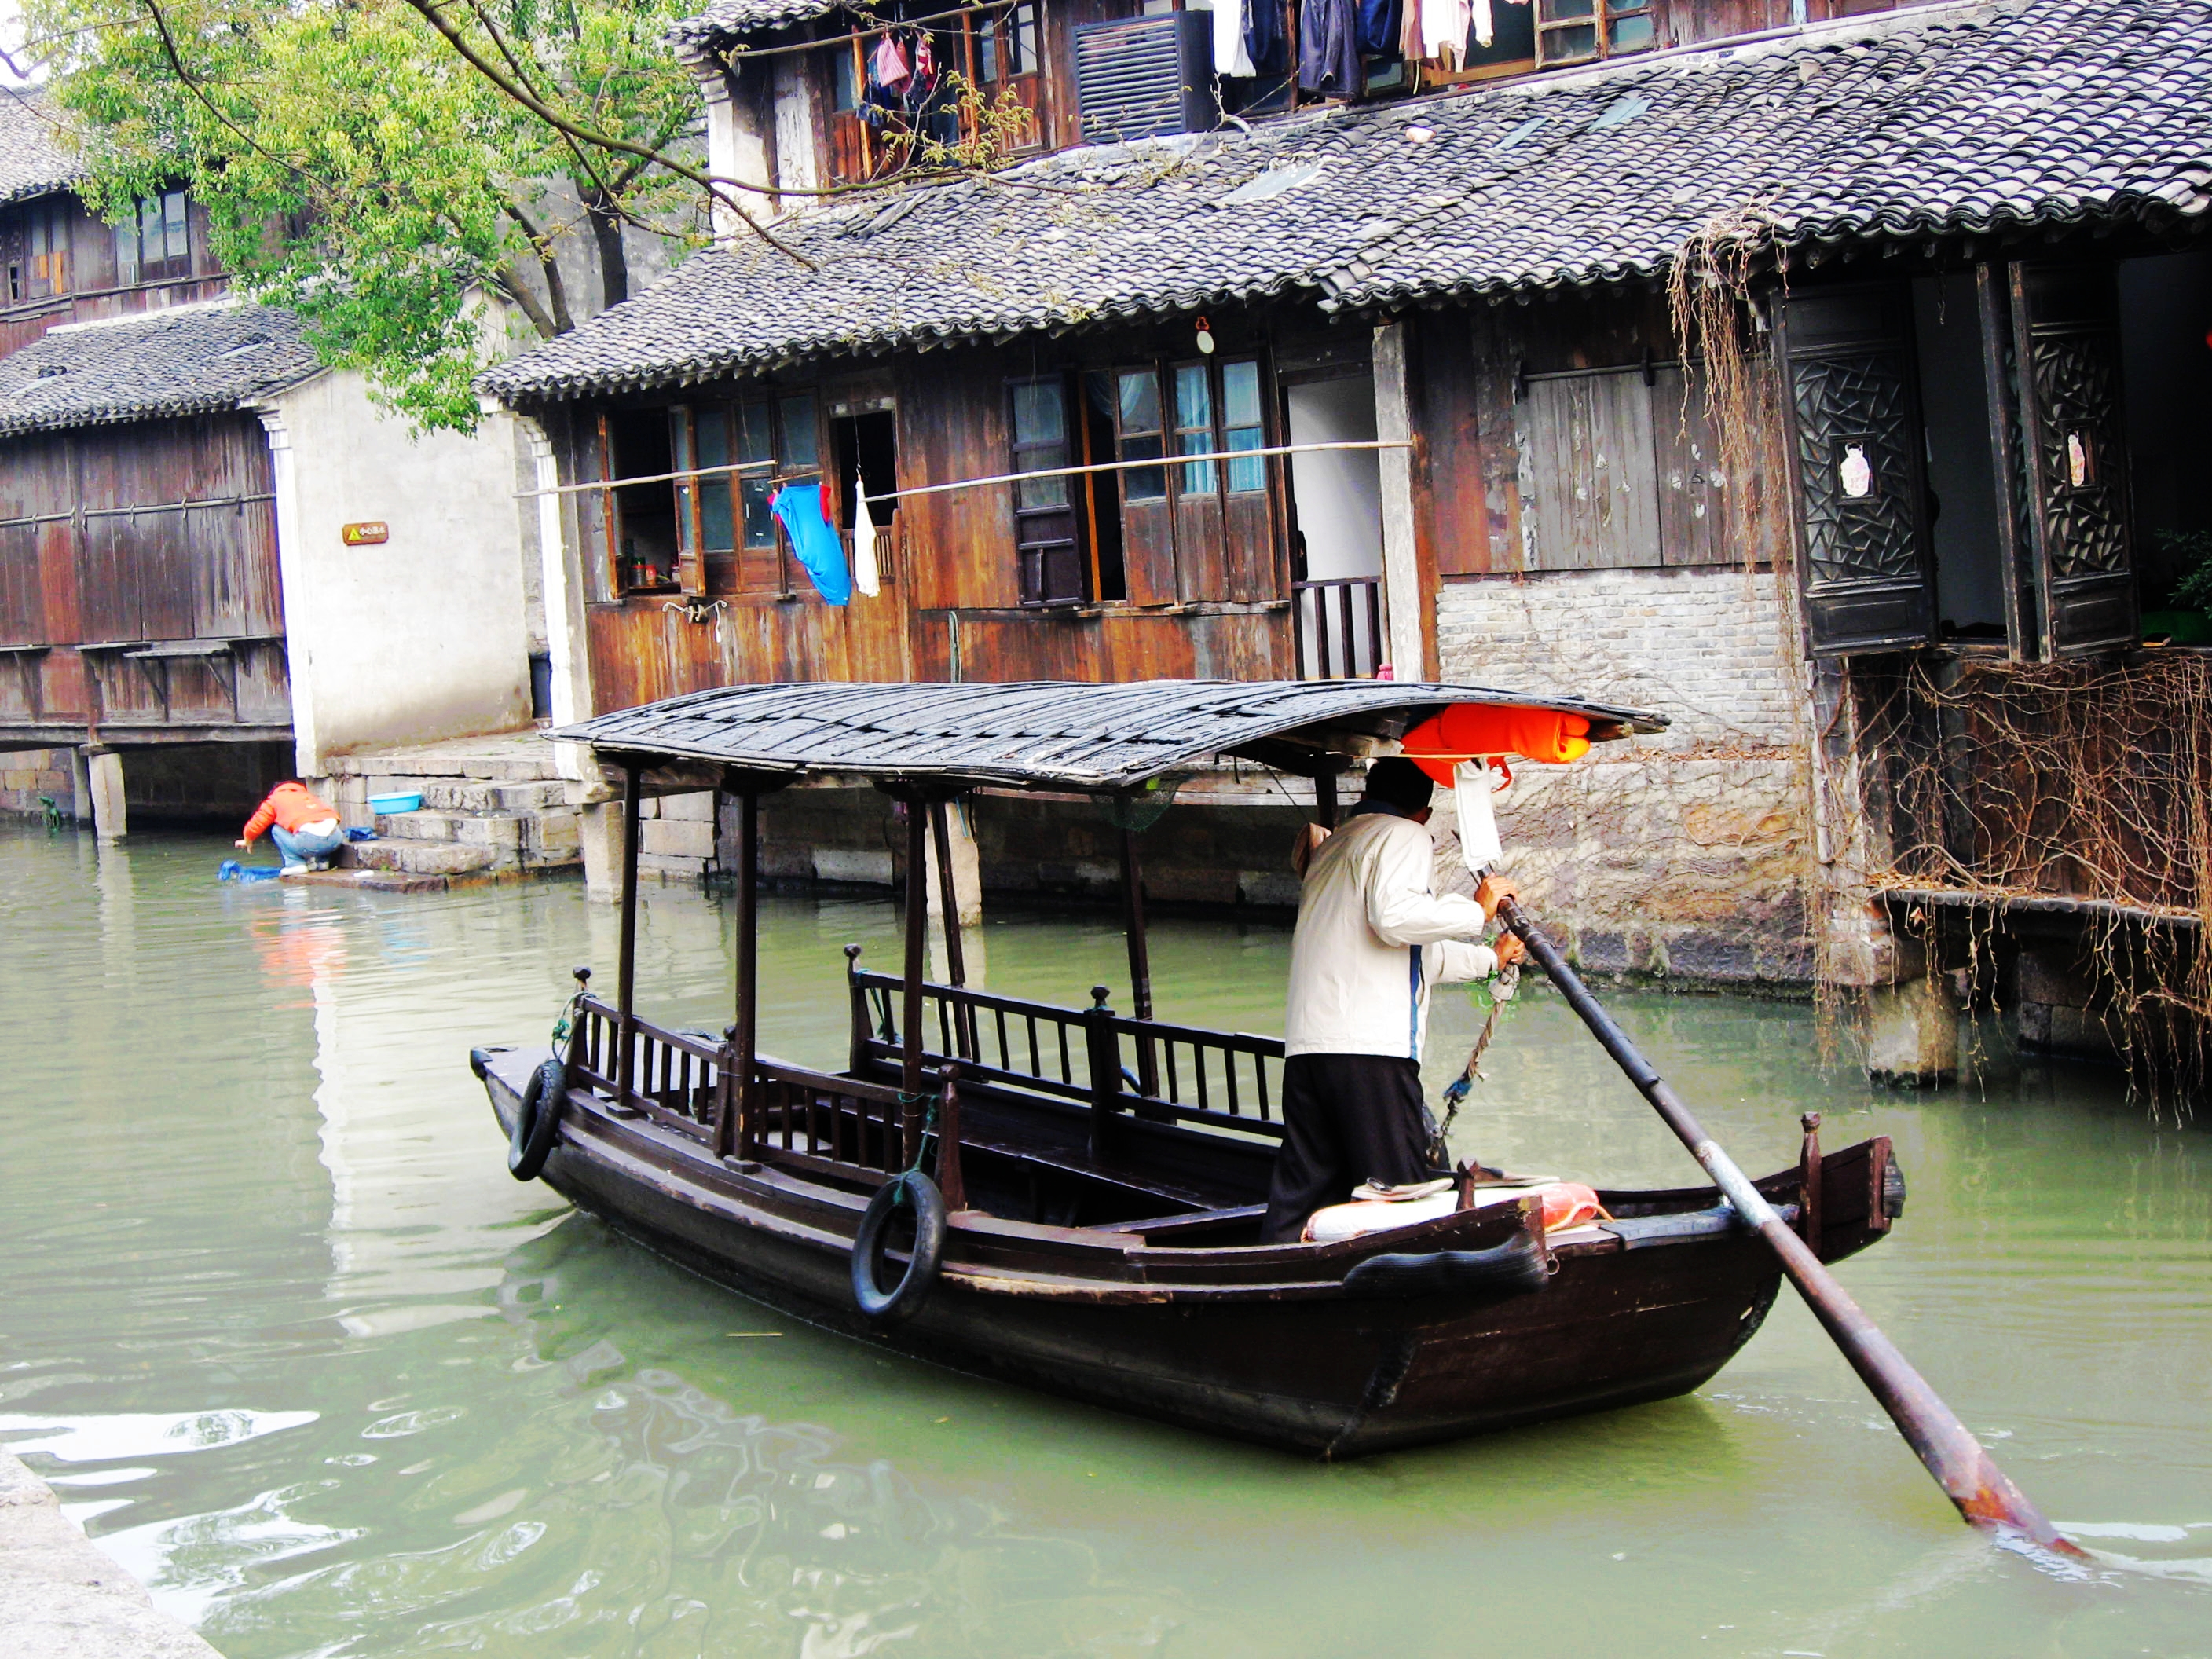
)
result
[(1077, 504), (1601, 20)]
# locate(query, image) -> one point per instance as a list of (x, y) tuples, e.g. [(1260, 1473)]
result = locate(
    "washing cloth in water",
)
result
[(819, 548)]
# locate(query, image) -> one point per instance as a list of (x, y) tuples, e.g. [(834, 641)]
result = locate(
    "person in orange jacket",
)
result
[(305, 828)]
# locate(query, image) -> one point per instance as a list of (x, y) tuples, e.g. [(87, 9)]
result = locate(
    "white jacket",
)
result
[(1373, 939)]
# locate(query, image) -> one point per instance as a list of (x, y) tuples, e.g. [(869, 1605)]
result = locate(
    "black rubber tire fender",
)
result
[(903, 1300), (538, 1119), (1476, 1277)]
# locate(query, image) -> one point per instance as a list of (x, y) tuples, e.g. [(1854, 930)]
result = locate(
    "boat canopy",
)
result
[(1050, 734)]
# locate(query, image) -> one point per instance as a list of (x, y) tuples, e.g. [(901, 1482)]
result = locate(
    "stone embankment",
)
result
[(61, 1598)]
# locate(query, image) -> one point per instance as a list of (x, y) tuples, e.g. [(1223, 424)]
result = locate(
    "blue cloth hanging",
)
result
[(1378, 27), (819, 548)]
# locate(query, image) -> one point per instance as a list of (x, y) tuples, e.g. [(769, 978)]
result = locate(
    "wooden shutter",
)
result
[(1591, 469), (1866, 574), (691, 546), (2066, 329)]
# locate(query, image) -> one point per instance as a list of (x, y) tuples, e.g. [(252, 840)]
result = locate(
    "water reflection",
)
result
[(266, 1289)]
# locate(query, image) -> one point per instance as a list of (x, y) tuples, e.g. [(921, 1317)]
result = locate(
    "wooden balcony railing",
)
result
[(1338, 626)]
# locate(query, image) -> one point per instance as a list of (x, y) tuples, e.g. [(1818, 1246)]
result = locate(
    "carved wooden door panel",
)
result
[(2066, 330), (1866, 576)]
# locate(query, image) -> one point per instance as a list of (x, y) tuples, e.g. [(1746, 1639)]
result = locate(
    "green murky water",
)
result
[(276, 1321)]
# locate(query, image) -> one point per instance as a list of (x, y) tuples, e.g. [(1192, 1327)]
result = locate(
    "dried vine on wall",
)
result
[(2079, 780)]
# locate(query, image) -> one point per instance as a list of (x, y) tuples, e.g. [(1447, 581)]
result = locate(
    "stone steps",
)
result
[(492, 807)]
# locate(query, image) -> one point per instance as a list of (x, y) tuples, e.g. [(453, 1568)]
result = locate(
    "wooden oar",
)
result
[(1985, 1496)]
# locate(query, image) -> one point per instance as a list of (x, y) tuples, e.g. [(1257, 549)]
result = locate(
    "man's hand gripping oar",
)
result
[(1974, 1482)]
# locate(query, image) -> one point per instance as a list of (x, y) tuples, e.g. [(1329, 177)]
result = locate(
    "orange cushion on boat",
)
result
[(1469, 729)]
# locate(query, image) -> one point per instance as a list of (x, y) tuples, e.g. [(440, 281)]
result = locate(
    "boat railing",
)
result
[(795, 1118), (1094, 1057), (674, 1077)]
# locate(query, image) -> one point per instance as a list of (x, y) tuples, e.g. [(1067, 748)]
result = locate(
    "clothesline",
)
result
[(690, 475), (694, 474), (1154, 461)]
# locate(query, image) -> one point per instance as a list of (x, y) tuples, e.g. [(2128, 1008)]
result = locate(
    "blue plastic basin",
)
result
[(406, 803)]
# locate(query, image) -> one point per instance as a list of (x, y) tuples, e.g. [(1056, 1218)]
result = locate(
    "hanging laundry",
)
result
[(1379, 28), (1483, 32), (1266, 36), (1444, 26), (1230, 55), (1409, 31), (1328, 48), (818, 548), (865, 577), (925, 63), (888, 68)]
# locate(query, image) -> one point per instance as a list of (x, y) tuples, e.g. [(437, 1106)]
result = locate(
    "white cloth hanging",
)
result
[(865, 575), (1230, 55), (1444, 24), (1484, 34)]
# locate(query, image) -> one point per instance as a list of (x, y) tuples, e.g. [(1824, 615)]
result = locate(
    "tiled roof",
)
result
[(189, 360), (724, 21), (1955, 119), (35, 157)]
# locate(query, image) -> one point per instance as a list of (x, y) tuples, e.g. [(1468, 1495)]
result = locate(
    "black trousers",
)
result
[(1346, 1118)]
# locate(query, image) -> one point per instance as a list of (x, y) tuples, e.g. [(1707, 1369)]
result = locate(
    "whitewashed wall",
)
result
[(423, 637)]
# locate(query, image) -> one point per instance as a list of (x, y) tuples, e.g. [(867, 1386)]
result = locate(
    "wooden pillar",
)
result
[(917, 962), (626, 967), (1403, 601), (733, 1131), (1325, 807)]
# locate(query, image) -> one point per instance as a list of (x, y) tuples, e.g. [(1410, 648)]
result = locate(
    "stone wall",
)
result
[(1680, 854), (27, 774)]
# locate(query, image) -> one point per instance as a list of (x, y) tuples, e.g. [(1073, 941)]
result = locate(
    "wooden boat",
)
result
[(1105, 1172)]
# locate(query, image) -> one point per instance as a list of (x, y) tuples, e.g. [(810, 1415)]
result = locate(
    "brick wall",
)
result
[(1680, 854)]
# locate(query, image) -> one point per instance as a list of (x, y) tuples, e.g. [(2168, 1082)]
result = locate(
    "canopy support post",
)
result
[(1140, 961), (734, 1129), (917, 963), (1325, 809), (956, 952), (626, 968)]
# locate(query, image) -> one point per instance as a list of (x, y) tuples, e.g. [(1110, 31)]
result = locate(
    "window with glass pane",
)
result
[(1040, 443), (1574, 31), (1138, 411), (1194, 426), (1242, 426), (802, 442), (1022, 40), (846, 92), (717, 528), (756, 443)]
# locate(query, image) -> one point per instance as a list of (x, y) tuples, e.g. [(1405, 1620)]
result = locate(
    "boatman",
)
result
[(1373, 938)]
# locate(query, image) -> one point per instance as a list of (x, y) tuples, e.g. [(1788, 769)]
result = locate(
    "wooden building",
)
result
[(1961, 387), (216, 555)]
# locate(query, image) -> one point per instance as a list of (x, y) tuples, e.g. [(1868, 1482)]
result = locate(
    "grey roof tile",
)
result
[(726, 20), (1956, 120), (192, 360), (36, 157)]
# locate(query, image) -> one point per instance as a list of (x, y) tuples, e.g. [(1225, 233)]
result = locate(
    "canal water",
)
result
[(278, 1326)]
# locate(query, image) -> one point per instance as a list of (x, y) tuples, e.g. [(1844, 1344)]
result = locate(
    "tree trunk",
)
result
[(614, 258)]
